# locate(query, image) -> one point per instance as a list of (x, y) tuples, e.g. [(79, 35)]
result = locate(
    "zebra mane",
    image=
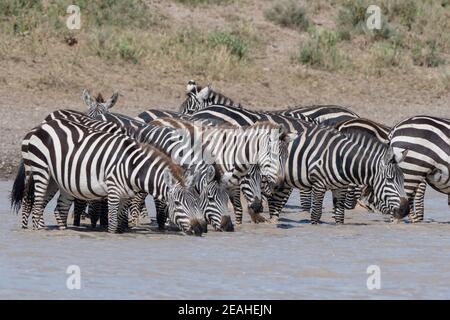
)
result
[(99, 98), (176, 170)]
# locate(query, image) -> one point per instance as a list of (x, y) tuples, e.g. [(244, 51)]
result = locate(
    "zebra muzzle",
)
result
[(256, 206), (403, 209), (196, 227), (226, 224)]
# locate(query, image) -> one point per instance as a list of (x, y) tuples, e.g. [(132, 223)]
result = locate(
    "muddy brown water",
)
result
[(290, 260)]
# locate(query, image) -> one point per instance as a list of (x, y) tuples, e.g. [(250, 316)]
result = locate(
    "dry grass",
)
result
[(148, 49)]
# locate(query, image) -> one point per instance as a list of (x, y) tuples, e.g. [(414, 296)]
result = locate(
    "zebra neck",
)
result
[(362, 163), (149, 178)]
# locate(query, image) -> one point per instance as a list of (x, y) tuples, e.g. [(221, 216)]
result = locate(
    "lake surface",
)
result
[(291, 260)]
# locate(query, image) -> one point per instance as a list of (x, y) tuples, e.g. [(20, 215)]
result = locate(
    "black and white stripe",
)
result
[(88, 164), (427, 140)]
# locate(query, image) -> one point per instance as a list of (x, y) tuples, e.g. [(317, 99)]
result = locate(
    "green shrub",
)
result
[(352, 14), (321, 51), (235, 45), (22, 16), (288, 13)]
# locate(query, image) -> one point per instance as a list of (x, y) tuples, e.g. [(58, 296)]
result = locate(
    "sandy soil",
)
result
[(291, 260), (33, 86)]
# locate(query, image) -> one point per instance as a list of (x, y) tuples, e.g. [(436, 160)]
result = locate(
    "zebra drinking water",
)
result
[(88, 164), (428, 161)]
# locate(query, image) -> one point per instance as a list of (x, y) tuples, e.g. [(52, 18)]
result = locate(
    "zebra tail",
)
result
[(18, 188)]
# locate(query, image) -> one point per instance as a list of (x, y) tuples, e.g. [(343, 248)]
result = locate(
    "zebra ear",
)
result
[(210, 173), (399, 158), (86, 96), (191, 86), (392, 157), (226, 177), (112, 101), (204, 93)]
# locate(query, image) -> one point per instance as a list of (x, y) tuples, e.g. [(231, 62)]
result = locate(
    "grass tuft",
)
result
[(288, 13)]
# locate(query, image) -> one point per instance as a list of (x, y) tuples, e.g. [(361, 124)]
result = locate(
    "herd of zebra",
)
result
[(108, 163)]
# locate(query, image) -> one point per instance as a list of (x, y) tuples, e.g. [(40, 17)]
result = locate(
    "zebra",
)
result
[(99, 105), (210, 184), (153, 114), (329, 115), (325, 159), (95, 106), (294, 173), (252, 189), (200, 98), (365, 126), (428, 141), (89, 164)]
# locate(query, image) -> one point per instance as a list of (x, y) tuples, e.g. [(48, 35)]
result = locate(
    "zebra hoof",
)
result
[(238, 222), (314, 223), (62, 227)]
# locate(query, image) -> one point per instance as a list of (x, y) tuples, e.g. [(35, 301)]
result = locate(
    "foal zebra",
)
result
[(88, 164), (428, 141)]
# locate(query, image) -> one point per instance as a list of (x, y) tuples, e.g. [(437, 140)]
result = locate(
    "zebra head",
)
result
[(251, 188), (387, 194), (98, 105), (196, 97), (272, 154), (183, 206), (210, 184)]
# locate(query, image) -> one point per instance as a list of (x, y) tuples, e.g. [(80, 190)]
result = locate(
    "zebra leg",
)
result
[(318, 193), (78, 209), (137, 204), (277, 201), (103, 212), (62, 209), (350, 198), (114, 211), (235, 198), (27, 204), (40, 192), (161, 214), (419, 203), (340, 205), (94, 212), (123, 214), (305, 199)]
